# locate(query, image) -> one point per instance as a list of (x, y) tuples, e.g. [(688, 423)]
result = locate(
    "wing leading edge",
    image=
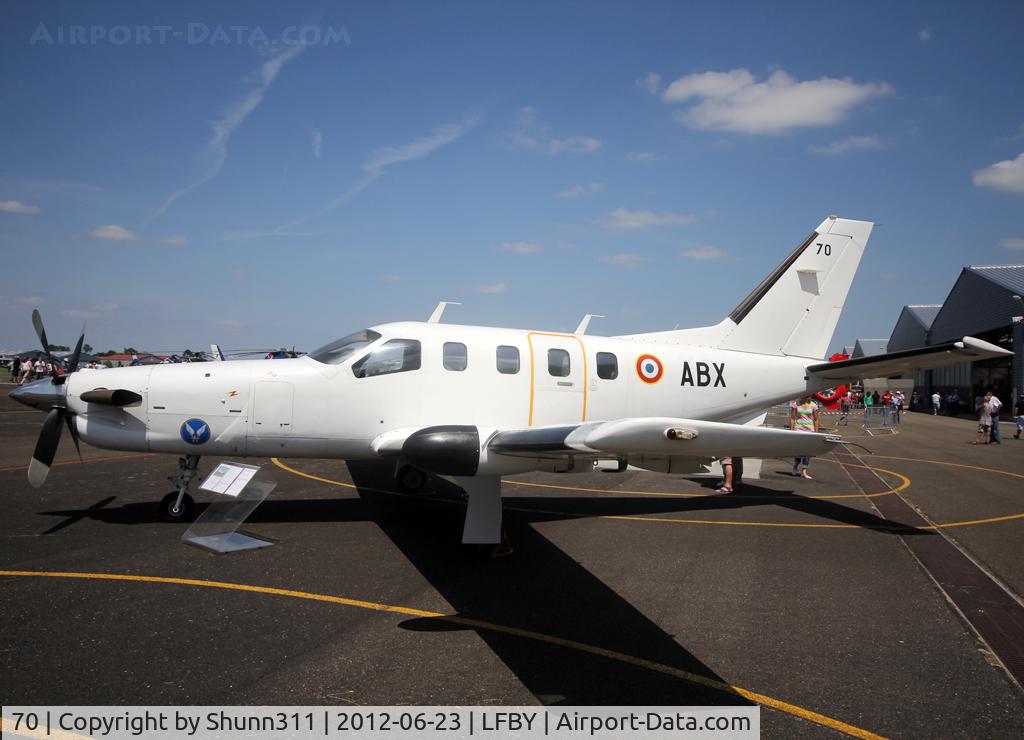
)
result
[(659, 436)]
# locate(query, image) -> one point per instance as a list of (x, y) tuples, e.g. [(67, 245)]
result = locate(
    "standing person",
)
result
[(897, 405), (994, 405), (953, 403), (15, 369), (26, 372), (936, 403), (803, 417), (844, 410), (984, 423), (732, 468)]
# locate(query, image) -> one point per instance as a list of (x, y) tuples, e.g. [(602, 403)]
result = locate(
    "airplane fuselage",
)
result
[(439, 374)]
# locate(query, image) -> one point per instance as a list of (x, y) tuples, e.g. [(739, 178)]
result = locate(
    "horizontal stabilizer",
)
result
[(967, 349)]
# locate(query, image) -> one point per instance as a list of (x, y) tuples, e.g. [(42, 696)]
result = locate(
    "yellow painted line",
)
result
[(904, 484), (53, 734), (687, 676), (340, 484), (950, 464), (717, 522), (669, 520)]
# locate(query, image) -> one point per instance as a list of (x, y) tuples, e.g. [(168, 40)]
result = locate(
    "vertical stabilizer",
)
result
[(795, 309)]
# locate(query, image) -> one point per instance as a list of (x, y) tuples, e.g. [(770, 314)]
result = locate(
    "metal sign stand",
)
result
[(237, 492)]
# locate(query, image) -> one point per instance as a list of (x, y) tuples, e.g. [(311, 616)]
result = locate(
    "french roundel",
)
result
[(649, 368)]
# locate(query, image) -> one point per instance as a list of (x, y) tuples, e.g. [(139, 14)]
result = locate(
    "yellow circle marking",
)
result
[(687, 676), (905, 483), (666, 520)]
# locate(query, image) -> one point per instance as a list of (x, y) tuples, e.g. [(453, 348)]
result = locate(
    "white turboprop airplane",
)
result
[(476, 403)]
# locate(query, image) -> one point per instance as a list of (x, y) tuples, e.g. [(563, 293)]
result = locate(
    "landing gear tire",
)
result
[(411, 479), (170, 512)]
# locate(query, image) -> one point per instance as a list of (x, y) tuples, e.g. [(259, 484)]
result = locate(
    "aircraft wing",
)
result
[(967, 349), (659, 436), (468, 450)]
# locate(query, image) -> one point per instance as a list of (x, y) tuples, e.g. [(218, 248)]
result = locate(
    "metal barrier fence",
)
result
[(881, 419)]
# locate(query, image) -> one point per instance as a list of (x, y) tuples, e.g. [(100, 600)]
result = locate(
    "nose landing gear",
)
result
[(178, 505)]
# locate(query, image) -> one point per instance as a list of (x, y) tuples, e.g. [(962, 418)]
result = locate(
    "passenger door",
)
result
[(559, 389)]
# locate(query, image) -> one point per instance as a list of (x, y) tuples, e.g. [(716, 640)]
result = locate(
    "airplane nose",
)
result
[(40, 394)]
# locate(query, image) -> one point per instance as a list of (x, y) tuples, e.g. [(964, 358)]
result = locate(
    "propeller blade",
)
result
[(46, 448), (73, 362), (73, 430), (37, 324)]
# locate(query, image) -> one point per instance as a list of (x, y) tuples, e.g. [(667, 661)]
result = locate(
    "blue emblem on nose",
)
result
[(195, 431)]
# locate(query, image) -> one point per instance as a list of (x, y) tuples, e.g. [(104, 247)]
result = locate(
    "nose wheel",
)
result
[(171, 510), (178, 505)]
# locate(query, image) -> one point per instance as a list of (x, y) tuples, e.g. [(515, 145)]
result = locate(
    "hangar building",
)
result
[(985, 302)]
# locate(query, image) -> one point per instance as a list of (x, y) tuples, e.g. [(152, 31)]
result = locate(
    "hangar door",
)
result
[(272, 408)]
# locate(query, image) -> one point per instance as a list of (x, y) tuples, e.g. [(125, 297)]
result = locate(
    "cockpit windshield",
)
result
[(337, 352)]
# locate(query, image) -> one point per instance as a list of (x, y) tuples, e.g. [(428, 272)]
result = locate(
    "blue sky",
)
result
[(180, 174)]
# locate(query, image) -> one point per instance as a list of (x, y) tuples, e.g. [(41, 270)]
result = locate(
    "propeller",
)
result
[(53, 394)]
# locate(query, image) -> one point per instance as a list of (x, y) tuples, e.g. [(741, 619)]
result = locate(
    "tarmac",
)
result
[(831, 602)]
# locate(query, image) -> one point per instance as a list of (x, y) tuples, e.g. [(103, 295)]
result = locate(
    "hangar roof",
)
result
[(980, 301), (868, 347)]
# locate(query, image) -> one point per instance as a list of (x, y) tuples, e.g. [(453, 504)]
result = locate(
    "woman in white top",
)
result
[(984, 423)]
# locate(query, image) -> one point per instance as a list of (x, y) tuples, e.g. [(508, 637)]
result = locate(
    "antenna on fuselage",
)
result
[(435, 318), (585, 322)]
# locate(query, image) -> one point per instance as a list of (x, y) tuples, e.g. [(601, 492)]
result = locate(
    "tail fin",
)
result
[(795, 309)]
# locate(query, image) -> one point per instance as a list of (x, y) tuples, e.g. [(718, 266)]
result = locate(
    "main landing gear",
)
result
[(178, 505)]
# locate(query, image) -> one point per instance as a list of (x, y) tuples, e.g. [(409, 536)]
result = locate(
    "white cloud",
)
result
[(736, 101), (522, 248), (493, 288), (377, 164), (577, 191), (89, 313), (627, 259), (642, 157), (318, 140), (703, 253), (650, 82), (528, 133), (623, 218), (924, 35), (849, 144), (113, 232), (575, 145), (1007, 175), (24, 300), (174, 239), (15, 206), (216, 151), (1011, 243)]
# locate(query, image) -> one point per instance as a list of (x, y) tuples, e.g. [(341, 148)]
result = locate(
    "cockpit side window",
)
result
[(394, 356), (337, 352)]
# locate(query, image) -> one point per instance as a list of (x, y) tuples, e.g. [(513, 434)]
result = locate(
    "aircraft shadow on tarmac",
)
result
[(540, 588)]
